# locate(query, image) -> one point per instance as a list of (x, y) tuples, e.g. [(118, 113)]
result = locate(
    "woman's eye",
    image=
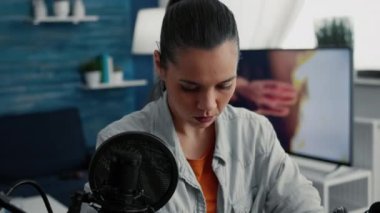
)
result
[(225, 86), (189, 88)]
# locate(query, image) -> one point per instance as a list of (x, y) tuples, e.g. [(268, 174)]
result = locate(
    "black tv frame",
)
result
[(351, 116)]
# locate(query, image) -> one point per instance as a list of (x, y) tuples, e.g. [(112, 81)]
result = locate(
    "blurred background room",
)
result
[(68, 68)]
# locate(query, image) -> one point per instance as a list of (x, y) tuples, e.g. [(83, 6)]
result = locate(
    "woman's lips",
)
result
[(204, 119)]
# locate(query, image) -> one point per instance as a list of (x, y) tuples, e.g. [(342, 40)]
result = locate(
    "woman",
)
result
[(229, 158)]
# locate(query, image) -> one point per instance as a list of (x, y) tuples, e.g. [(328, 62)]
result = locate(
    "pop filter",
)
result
[(131, 172)]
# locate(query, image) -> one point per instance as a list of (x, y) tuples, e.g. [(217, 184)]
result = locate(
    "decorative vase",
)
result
[(79, 10), (39, 9), (117, 77), (92, 78), (61, 8)]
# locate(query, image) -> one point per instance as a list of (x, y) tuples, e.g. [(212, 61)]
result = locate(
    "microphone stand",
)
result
[(110, 206), (77, 199)]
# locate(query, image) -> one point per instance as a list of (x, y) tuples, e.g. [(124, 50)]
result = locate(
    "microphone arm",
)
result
[(5, 203)]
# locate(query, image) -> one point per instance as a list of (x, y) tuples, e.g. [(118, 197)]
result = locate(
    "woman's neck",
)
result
[(196, 142)]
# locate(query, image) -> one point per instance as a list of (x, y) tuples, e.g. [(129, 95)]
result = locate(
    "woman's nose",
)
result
[(207, 101)]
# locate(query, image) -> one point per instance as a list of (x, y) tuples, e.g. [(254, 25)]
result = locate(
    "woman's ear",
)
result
[(158, 68)]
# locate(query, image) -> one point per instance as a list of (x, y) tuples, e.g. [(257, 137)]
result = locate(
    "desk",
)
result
[(35, 204)]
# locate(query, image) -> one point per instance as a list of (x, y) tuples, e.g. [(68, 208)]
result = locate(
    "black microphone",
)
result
[(122, 193), (130, 172), (375, 207)]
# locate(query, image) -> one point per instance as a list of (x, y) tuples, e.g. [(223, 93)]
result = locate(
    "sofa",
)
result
[(47, 147)]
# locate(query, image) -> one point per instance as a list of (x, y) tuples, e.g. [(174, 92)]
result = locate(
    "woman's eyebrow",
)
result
[(195, 83), (230, 79), (188, 82)]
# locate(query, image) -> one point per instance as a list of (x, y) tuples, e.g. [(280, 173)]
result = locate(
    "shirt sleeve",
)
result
[(288, 190)]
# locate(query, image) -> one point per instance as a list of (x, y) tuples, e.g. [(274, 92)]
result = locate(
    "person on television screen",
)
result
[(266, 85), (257, 90), (229, 159), (266, 97)]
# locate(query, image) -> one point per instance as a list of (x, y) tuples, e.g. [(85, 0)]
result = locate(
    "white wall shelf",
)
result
[(128, 83), (69, 19), (68, 11)]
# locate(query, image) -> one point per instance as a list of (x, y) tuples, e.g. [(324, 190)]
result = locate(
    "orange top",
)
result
[(206, 178)]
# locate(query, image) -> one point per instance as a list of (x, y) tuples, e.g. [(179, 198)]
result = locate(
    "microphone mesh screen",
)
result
[(158, 175)]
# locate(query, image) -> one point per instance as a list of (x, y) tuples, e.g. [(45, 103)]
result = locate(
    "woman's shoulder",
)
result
[(254, 131), (140, 120), (240, 114)]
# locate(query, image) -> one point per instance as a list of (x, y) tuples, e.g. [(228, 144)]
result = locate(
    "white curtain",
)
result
[(264, 23)]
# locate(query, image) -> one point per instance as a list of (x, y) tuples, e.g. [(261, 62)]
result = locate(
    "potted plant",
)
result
[(334, 32), (91, 71)]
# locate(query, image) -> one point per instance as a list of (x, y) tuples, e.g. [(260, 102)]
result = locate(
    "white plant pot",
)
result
[(79, 10), (92, 78), (117, 77), (39, 9), (61, 8)]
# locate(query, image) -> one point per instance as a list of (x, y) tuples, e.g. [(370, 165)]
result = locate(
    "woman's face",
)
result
[(200, 84)]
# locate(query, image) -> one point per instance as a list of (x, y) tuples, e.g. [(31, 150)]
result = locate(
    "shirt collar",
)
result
[(221, 151), (163, 127)]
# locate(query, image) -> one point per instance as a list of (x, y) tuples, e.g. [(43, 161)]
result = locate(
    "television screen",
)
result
[(306, 94)]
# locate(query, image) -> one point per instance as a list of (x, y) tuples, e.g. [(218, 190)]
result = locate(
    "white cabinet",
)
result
[(366, 149), (343, 186), (366, 143), (366, 98)]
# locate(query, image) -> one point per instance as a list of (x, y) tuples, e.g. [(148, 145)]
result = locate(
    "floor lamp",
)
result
[(146, 36), (147, 30)]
